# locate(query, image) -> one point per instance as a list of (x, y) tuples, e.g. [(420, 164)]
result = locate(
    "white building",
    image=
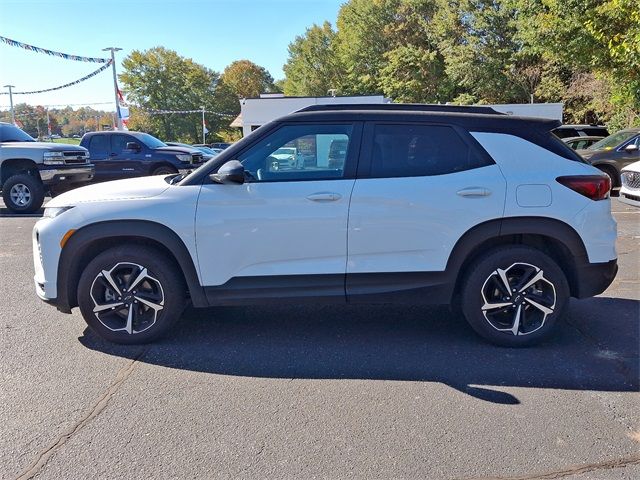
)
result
[(255, 112)]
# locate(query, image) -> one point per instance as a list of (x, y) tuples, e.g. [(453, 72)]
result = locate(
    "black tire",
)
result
[(164, 170), (485, 287), (23, 193), (124, 264), (612, 173)]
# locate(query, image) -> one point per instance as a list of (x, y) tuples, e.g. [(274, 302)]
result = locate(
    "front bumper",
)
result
[(630, 196), (54, 174), (594, 278)]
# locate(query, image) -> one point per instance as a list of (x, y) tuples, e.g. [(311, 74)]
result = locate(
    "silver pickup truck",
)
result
[(30, 169)]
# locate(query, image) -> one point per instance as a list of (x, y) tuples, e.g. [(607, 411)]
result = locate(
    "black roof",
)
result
[(409, 107), (481, 119)]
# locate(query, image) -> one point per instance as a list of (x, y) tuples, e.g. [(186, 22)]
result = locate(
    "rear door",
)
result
[(419, 188), (99, 147)]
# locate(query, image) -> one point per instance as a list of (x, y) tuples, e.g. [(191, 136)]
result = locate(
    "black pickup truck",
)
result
[(118, 155)]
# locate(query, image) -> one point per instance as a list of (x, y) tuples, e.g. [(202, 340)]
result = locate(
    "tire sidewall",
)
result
[(158, 268), (503, 258), (164, 170), (36, 190)]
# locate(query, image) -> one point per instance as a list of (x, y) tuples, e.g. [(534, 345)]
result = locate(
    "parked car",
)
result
[(428, 205), (566, 131), (29, 169), (580, 143), (118, 155), (614, 152), (630, 190)]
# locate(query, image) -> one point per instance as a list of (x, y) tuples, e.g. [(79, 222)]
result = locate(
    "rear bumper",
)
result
[(594, 278)]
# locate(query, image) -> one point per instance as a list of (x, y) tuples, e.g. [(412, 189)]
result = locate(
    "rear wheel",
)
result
[(23, 193), (513, 296), (131, 294)]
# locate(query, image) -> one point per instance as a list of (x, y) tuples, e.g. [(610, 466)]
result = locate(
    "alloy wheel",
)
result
[(127, 298), (20, 195), (518, 299)]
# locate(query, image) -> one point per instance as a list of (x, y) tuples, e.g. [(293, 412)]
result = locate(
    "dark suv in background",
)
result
[(119, 155), (613, 153)]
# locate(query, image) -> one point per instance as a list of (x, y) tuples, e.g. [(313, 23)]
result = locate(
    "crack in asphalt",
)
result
[(96, 409), (575, 470)]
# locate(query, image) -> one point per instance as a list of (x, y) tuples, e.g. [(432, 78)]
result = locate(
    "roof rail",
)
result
[(420, 107)]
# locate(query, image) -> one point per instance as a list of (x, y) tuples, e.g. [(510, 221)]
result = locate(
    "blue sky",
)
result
[(213, 33)]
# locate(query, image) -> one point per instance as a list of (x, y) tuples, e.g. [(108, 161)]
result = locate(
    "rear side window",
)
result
[(420, 150), (99, 145)]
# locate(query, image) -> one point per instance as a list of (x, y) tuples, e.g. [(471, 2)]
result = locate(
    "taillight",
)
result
[(595, 187)]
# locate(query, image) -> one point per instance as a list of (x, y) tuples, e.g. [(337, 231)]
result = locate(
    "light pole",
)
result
[(115, 84), (204, 129), (13, 115)]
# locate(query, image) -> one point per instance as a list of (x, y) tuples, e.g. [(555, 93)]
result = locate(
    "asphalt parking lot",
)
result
[(318, 392)]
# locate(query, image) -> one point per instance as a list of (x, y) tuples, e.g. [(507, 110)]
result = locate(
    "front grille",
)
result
[(74, 158), (631, 179), (196, 158)]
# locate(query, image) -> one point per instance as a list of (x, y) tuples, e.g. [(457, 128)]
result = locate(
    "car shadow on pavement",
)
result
[(595, 349)]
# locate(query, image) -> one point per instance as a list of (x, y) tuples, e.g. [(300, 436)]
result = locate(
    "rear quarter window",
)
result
[(410, 150)]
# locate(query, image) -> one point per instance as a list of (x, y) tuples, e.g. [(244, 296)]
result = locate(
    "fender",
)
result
[(494, 229), (74, 252)]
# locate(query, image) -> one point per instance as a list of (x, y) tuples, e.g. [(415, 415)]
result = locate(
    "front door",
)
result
[(126, 163), (283, 233)]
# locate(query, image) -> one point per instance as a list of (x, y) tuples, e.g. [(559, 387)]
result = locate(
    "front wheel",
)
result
[(131, 294), (164, 170), (23, 193), (514, 296)]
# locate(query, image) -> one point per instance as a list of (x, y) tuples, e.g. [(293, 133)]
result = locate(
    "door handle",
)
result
[(474, 192), (324, 197)]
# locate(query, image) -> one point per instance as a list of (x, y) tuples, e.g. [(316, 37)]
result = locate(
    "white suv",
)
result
[(424, 204)]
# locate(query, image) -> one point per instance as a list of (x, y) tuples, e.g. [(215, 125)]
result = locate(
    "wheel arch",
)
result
[(553, 237), (93, 239), (161, 163), (14, 166)]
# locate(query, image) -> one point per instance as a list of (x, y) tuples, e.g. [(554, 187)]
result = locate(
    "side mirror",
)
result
[(133, 146), (631, 148), (230, 172)]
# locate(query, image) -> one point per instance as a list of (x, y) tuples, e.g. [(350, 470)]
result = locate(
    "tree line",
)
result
[(584, 53)]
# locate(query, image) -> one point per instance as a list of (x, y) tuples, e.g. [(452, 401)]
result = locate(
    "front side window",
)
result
[(299, 152), (11, 133), (119, 143), (420, 150), (612, 141)]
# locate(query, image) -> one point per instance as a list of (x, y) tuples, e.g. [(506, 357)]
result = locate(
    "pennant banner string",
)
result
[(32, 48), (86, 77)]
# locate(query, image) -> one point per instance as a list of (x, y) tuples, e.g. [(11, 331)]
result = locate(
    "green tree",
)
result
[(313, 67), (160, 79), (246, 79)]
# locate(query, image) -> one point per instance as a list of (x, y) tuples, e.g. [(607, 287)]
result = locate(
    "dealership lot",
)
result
[(327, 392)]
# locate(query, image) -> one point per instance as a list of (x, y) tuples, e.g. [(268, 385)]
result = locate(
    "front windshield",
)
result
[(11, 133), (612, 141), (150, 141)]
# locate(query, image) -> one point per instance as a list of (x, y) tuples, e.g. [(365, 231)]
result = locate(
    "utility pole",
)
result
[(48, 124), (13, 115), (115, 84), (204, 129)]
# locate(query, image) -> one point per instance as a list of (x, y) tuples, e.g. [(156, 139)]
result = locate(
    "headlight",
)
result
[(184, 157), (53, 158), (53, 212)]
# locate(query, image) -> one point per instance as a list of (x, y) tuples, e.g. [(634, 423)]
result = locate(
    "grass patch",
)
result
[(70, 141)]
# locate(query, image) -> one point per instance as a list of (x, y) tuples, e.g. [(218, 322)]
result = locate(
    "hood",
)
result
[(129, 189), (54, 147), (171, 149)]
